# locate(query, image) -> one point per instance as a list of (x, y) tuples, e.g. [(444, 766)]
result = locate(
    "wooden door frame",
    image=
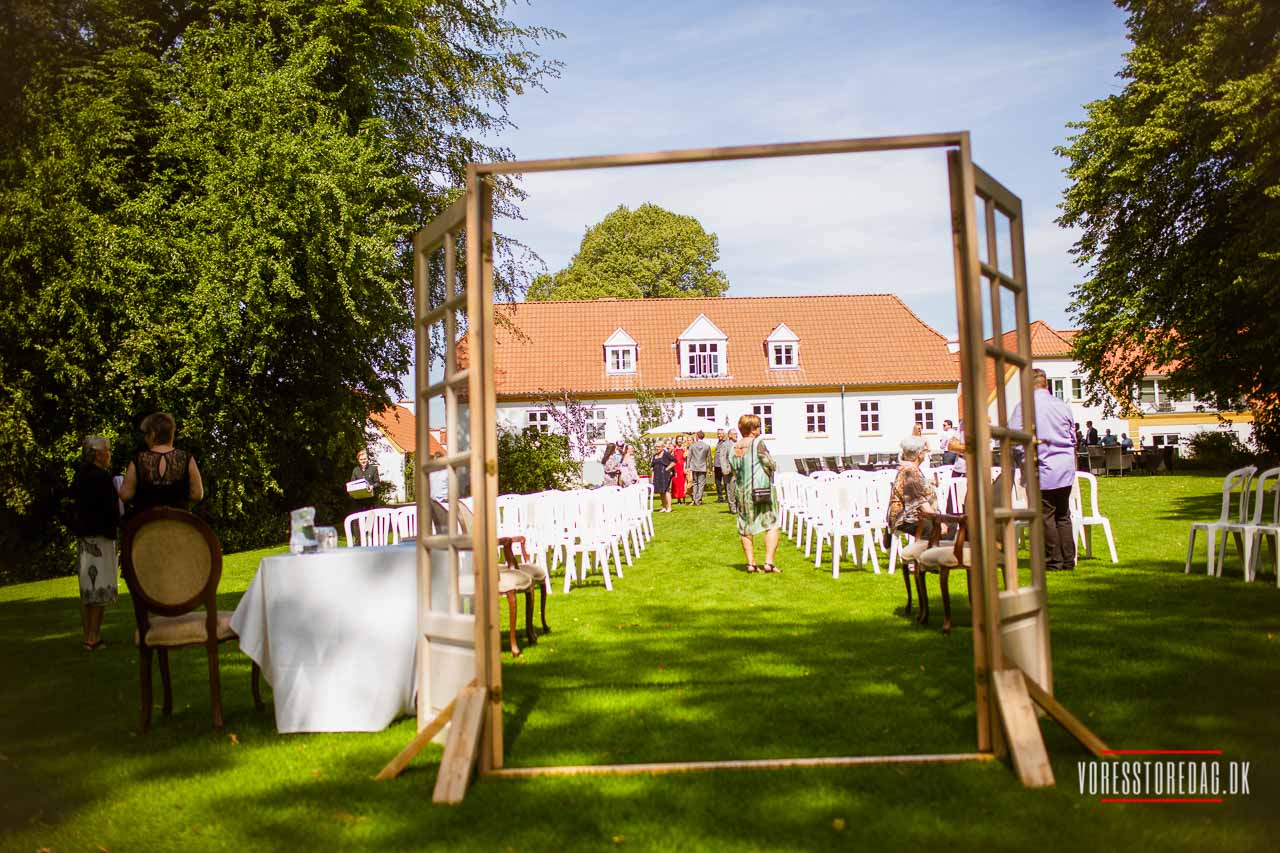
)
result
[(966, 184)]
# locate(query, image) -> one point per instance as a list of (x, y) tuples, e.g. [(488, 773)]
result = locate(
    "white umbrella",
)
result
[(680, 426)]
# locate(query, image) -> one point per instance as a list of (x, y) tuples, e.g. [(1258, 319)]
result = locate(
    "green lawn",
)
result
[(688, 658)]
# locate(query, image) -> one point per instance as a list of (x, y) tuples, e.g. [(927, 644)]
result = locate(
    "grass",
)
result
[(689, 658)]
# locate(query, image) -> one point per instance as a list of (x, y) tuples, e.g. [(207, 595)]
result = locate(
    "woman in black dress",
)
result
[(664, 465), (161, 475), (95, 517)]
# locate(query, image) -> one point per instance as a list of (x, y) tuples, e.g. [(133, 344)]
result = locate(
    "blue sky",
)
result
[(660, 75)]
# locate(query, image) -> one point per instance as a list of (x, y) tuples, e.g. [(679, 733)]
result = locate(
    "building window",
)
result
[(1073, 385), (815, 418), (597, 421), (539, 420), (764, 411), (707, 413), (784, 357), (924, 414), (703, 359), (1166, 439), (869, 416), (622, 359)]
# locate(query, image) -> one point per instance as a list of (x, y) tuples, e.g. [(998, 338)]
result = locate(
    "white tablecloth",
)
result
[(335, 635)]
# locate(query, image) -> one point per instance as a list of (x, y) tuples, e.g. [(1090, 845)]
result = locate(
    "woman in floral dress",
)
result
[(753, 468)]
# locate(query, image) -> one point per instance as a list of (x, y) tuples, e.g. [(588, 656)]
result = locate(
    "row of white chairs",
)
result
[(374, 528), (1250, 512), (851, 508), (582, 527)]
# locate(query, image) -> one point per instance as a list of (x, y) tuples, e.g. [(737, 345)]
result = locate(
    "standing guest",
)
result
[(944, 442), (1079, 438), (366, 469), (699, 453), (720, 462), (95, 517), (1090, 434), (664, 465), (725, 462), (161, 475), (1108, 440), (959, 469), (753, 469), (612, 462), (1056, 456), (917, 431), (678, 477), (627, 474), (1126, 443)]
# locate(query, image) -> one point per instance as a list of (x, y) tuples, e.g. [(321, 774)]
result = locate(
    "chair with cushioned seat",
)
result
[(942, 558), (172, 563)]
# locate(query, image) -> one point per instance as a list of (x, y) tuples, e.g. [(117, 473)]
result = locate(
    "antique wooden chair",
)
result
[(172, 562), (942, 559)]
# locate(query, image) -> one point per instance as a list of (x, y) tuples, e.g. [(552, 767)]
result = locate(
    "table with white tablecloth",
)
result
[(335, 634)]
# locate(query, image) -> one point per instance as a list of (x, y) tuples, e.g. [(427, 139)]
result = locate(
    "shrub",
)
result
[(1221, 449), (534, 462)]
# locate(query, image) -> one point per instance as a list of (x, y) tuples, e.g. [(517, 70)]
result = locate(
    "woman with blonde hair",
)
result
[(753, 470), (161, 475)]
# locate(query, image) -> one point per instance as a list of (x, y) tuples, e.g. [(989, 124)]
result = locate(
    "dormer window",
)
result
[(703, 350), (783, 349), (620, 352)]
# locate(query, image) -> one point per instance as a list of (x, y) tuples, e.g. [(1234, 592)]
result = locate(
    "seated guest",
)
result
[(95, 517), (1108, 440), (161, 475), (912, 498), (1126, 443)]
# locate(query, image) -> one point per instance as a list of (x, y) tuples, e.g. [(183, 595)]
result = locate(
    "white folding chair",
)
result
[(1079, 520), (1258, 525), (1235, 483)]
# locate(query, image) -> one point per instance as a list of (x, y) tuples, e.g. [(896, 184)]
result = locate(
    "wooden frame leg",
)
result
[(255, 685), (165, 682), (215, 683), (511, 622), (542, 599), (144, 683)]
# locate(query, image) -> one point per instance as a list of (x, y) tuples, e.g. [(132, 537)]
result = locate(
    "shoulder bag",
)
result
[(759, 494)]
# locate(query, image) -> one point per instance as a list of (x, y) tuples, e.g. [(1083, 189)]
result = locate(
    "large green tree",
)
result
[(204, 209), (1175, 185), (634, 254)]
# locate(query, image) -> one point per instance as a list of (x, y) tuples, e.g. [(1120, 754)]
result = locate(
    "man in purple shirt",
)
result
[(1056, 453)]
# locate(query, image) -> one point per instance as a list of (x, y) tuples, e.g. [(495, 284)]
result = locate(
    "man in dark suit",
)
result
[(1090, 434)]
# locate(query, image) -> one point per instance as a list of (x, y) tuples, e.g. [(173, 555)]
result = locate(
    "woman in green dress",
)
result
[(753, 469)]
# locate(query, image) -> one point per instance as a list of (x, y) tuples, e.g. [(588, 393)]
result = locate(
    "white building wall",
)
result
[(390, 464), (790, 437)]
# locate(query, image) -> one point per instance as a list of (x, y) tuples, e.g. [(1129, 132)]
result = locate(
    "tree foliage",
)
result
[(205, 208), (650, 410), (530, 461), (638, 254), (1176, 188), (575, 420)]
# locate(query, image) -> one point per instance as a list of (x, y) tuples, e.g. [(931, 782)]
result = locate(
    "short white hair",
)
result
[(912, 446), (91, 445)]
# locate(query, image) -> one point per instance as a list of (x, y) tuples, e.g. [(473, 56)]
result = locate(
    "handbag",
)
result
[(760, 494)]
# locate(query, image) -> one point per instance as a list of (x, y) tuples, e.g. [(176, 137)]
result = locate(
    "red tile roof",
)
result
[(844, 340), (400, 428)]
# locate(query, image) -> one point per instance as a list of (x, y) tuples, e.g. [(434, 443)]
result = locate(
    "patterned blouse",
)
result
[(911, 491)]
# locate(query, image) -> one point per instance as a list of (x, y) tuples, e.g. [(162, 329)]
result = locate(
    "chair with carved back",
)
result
[(172, 562), (942, 558)]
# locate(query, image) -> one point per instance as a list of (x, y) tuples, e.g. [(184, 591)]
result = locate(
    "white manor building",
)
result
[(828, 375)]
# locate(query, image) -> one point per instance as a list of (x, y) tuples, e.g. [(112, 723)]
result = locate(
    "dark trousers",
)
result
[(720, 495), (1059, 542)]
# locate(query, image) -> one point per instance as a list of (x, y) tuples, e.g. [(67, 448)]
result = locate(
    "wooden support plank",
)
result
[(1022, 729), (1066, 719), (420, 740), (738, 152), (743, 764), (462, 748), (440, 227)]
